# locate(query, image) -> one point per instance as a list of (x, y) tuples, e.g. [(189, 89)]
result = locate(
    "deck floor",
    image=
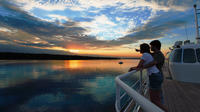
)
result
[(180, 96)]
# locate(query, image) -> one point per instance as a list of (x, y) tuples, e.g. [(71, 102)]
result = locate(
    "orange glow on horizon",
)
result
[(113, 53), (73, 50), (75, 46), (116, 52)]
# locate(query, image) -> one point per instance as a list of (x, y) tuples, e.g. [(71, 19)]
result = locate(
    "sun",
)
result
[(74, 50)]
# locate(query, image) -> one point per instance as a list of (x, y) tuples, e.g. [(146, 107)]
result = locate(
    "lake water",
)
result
[(60, 86)]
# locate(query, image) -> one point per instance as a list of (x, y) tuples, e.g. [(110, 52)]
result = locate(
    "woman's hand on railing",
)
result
[(132, 68), (135, 68)]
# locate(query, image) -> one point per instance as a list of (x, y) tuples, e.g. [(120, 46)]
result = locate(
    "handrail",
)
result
[(145, 104)]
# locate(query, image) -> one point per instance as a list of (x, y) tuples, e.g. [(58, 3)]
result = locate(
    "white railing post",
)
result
[(136, 96), (140, 81), (118, 97)]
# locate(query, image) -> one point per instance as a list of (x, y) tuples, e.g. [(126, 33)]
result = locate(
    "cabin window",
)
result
[(189, 56), (176, 55), (198, 54)]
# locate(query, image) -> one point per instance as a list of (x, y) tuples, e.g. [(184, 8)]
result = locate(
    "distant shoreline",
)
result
[(31, 56)]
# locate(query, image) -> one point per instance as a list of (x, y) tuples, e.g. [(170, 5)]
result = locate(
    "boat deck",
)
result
[(180, 96)]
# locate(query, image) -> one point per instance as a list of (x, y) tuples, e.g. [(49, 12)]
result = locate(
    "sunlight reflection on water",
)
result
[(60, 86)]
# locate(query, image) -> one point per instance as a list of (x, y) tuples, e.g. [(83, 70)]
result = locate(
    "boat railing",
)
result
[(136, 100)]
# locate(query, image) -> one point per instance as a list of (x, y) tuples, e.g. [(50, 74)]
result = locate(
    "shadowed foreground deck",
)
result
[(181, 96)]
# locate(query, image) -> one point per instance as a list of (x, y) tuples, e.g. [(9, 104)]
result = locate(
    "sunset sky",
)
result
[(93, 27)]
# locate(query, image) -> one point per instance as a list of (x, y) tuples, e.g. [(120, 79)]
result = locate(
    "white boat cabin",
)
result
[(184, 62)]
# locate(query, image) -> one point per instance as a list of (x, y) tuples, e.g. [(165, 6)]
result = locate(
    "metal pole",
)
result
[(197, 26)]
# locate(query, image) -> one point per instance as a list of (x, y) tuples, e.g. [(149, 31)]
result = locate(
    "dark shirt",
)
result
[(160, 59)]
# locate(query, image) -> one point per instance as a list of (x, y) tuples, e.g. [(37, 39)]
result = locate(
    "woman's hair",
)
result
[(144, 48)]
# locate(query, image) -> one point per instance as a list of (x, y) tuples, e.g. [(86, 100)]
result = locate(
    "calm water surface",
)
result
[(60, 86)]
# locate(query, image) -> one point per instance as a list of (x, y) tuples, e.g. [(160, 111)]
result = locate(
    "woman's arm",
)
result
[(139, 66)]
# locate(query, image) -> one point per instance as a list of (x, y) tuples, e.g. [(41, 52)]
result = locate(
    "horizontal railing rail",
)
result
[(140, 100)]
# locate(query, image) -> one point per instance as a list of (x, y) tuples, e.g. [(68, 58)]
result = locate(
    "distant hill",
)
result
[(29, 56)]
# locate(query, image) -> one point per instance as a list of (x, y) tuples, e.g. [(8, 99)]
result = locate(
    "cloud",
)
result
[(157, 27), (35, 33), (24, 21), (177, 5), (101, 26), (58, 17), (35, 26), (3, 29), (82, 5), (26, 49), (120, 18), (104, 20), (157, 5), (44, 4), (30, 29)]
